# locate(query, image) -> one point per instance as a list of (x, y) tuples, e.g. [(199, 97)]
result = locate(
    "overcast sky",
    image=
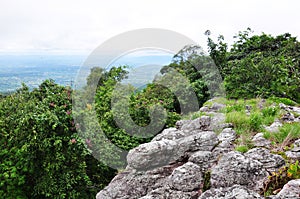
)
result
[(77, 26)]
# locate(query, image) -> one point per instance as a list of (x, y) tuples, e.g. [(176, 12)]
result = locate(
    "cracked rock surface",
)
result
[(181, 162)]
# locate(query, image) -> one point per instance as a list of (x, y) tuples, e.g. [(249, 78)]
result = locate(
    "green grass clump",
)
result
[(242, 148), (287, 133), (285, 101), (239, 119), (255, 121)]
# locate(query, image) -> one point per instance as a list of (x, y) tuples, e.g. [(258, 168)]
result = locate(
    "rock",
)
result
[(217, 121), (228, 134), (288, 117), (186, 178), (216, 107), (290, 108), (204, 109), (297, 143), (180, 123), (295, 152), (271, 162), (235, 168), (233, 192), (169, 134), (174, 164), (152, 154), (204, 159), (202, 141), (201, 123), (222, 148), (290, 191), (226, 138), (226, 125), (248, 109), (163, 193), (159, 153), (133, 185), (274, 128), (259, 141)]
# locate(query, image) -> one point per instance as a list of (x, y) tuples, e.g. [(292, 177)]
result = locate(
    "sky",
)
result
[(78, 27)]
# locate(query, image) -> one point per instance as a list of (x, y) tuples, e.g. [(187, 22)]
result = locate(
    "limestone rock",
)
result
[(217, 107), (180, 123), (204, 159), (133, 185), (202, 141), (295, 152), (259, 141), (228, 134), (169, 134), (152, 154), (204, 109), (290, 191), (201, 123), (274, 127), (233, 192), (186, 178), (271, 162), (235, 168)]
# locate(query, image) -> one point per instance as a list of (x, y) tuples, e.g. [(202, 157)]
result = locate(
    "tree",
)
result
[(259, 65)]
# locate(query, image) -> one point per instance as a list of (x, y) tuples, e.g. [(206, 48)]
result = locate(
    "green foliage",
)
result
[(259, 65), (283, 100), (255, 121), (242, 148), (140, 104), (41, 154), (239, 119), (103, 99)]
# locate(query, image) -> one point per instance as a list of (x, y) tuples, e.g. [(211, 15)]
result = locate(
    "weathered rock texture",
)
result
[(193, 161)]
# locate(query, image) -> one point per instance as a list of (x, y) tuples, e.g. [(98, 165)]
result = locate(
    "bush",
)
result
[(259, 65), (41, 154)]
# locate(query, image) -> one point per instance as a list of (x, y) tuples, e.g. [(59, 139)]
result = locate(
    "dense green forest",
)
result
[(42, 155)]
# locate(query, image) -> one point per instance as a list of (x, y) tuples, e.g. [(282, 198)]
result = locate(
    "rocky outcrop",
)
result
[(233, 192), (197, 160), (235, 168)]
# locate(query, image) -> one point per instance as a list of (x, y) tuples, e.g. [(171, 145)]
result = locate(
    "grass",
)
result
[(247, 123), (287, 133), (242, 148), (262, 113)]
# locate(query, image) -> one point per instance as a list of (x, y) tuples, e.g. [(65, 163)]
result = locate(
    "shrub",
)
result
[(41, 154), (259, 65)]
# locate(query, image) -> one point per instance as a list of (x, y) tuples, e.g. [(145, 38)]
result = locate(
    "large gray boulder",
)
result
[(169, 134), (233, 192), (159, 153), (228, 135), (201, 123), (235, 168), (204, 159), (186, 178), (152, 154), (133, 184), (175, 164), (271, 162)]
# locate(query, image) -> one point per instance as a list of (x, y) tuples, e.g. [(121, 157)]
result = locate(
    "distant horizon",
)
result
[(33, 69)]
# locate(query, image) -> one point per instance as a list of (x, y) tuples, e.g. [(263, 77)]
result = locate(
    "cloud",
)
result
[(71, 26)]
